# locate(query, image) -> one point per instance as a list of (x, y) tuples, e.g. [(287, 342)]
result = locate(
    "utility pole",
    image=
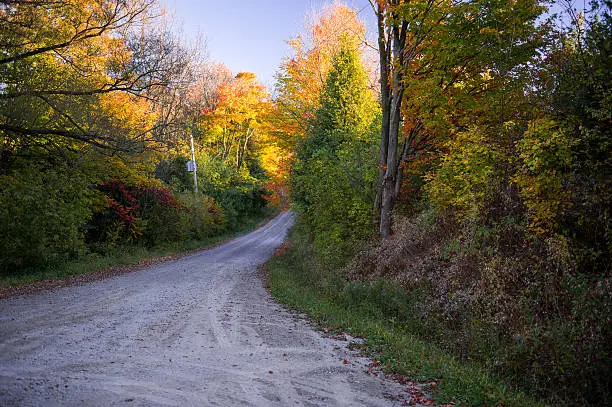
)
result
[(193, 160)]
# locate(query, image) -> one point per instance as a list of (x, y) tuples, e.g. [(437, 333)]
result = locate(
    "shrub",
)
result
[(203, 217), (173, 172), (546, 152), (240, 203), (117, 221), (162, 215), (150, 214), (42, 211), (530, 315)]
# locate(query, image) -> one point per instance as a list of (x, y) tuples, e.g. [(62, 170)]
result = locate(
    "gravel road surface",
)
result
[(199, 331)]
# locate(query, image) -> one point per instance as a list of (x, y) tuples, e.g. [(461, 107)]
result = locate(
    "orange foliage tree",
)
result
[(237, 119)]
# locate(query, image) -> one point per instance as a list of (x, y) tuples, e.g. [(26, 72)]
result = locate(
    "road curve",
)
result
[(199, 331)]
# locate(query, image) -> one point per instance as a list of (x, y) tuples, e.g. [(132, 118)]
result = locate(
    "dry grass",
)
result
[(500, 296)]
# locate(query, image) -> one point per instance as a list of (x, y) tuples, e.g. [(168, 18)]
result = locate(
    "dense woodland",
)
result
[(460, 156)]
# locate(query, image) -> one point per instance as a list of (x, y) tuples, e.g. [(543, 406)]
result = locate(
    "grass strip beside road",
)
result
[(359, 309)]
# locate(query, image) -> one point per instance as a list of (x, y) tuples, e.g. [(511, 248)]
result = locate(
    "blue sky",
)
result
[(249, 35)]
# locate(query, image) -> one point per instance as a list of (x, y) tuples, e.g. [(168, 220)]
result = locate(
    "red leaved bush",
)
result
[(132, 213), (151, 214), (122, 209)]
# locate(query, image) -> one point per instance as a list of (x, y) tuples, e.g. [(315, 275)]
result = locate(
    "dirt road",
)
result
[(199, 331)]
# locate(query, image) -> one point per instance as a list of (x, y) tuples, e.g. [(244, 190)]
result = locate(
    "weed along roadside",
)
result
[(373, 311)]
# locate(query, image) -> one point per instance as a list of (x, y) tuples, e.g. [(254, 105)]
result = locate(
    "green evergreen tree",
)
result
[(334, 174)]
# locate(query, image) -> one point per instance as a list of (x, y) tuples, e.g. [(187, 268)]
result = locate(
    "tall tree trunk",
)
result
[(226, 145), (238, 148), (395, 118), (385, 102), (405, 28), (410, 147), (242, 147), (400, 169), (388, 195)]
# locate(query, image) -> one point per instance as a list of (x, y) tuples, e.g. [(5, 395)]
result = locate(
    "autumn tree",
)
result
[(403, 28), (228, 121), (435, 56), (87, 89), (236, 121), (564, 156), (184, 109), (302, 76), (205, 91), (83, 73), (476, 107)]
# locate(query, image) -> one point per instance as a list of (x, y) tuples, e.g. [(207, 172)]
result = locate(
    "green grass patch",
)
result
[(122, 255), (370, 311)]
